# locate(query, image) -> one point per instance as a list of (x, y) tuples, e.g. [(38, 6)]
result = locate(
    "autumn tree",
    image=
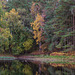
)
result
[(15, 26), (4, 32), (4, 39), (1, 13), (28, 44), (35, 8), (17, 29), (37, 28)]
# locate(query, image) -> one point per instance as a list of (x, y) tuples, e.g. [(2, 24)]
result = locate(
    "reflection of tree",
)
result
[(42, 70), (11, 68), (5, 69), (26, 68), (39, 68), (59, 70), (68, 71), (14, 68), (72, 66), (51, 70)]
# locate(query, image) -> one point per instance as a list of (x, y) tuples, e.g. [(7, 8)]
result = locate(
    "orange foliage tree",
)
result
[(37, 26), (35, 8)]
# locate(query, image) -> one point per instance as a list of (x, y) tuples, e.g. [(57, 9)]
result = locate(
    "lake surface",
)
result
[(24, 67)]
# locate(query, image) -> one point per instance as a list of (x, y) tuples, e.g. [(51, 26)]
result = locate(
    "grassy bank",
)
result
[(6, 57), (42, 58), (56, 56)]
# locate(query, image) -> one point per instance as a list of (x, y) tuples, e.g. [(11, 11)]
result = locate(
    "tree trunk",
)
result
[(40, 46), (4, 49), (10, 50), (40, 69)]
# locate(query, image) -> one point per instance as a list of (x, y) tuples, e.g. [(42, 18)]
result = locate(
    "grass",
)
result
[(6, 58), (47, 56), (63, 63), (61, 59)]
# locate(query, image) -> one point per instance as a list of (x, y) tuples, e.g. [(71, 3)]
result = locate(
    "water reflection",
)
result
[(19, 67)]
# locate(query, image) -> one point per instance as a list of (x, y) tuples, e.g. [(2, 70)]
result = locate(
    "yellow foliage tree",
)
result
[(37, 28), (12, 15), (6, 32), (13, 21), (4, 39), (27, 70), (28, 44)]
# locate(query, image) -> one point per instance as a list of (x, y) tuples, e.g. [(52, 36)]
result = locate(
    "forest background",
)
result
[(37, 25)]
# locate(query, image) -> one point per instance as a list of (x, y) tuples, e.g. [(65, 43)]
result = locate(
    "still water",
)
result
[(23, 67)]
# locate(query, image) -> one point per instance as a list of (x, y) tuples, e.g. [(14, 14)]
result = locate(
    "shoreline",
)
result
[(46, 59)]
